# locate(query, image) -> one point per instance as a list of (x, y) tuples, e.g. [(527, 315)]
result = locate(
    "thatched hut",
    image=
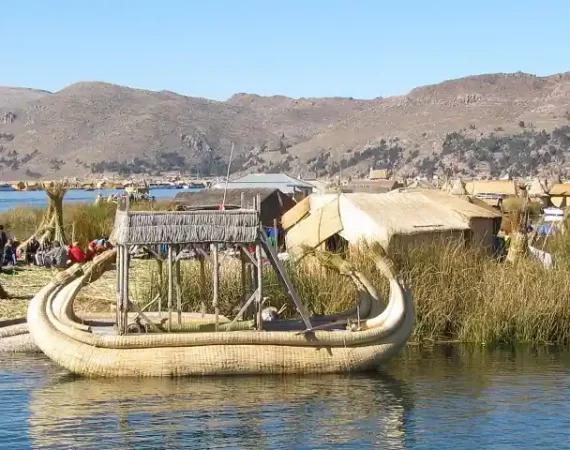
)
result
[(392, 219)]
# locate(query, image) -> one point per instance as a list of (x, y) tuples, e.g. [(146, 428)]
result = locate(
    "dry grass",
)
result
[(459, 294)]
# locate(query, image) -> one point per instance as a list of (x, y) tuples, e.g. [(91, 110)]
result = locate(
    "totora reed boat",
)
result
[(173, 343)]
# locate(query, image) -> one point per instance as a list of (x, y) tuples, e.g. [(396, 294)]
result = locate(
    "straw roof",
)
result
[(371, 186), (560, 189), (492, 187), (379, 174), (184, 227), (419, 211)]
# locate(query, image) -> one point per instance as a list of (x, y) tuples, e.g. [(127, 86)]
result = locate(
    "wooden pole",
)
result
[(216, 280), (242, 200), (119, 307), (242, 278), (161, 283), (259, 285), (259, 258), (170, 286), (202, 287), (125, 300), (178, 289)]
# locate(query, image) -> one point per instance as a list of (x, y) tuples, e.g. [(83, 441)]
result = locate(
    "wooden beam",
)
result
[(119, 305), (202, 287), (170, 285), (125, 299), (140, 312), (177, 280), (252, 258), (243, 292), (284, 278), (216, 281), (239, 315), (259, 299)]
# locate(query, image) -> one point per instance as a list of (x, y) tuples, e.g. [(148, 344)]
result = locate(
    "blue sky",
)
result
[(214, 49)]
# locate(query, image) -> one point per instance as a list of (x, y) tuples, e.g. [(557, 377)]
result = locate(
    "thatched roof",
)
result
[(560, 189), (371, 186), (379, 174), (185, 227), (501, 188)]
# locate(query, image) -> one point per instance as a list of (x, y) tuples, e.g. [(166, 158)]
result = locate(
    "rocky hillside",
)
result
[(484, 124)]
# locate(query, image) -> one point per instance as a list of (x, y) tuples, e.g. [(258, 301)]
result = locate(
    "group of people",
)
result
[(48, 254)]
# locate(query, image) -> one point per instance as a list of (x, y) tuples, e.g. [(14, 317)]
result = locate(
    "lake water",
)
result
[(447, 397), (11, 199)]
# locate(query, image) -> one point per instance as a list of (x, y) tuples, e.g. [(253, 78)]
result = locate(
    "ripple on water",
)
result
[(457, 397)]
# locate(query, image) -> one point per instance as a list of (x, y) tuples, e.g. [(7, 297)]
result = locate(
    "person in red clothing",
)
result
[(76, 254)]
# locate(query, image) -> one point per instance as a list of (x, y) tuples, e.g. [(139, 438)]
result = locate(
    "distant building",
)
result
[(284, 183), (560, 195), (371, 186), (379, 174), (274, 203), (492, 192)]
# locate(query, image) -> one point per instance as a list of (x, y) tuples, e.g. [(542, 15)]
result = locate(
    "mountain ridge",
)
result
[(91, 128)]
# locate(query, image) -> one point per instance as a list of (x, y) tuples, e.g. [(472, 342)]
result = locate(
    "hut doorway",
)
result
[(336, 244)]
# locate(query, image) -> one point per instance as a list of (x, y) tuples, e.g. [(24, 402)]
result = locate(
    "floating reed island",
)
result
[(141, 342)]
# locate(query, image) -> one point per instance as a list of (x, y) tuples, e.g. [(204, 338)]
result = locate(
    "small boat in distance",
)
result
[(6, 187)]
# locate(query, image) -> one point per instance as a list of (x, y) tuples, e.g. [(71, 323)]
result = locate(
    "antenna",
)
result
[(228, 176)]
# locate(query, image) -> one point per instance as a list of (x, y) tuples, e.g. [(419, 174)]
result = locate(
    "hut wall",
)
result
[(483, 230), (403, 241)]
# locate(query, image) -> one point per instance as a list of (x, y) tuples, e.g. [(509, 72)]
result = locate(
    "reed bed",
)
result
[(460, 294)]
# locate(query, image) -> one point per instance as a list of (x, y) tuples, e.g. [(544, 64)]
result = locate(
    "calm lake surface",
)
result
[(447, 397), (11, 199)]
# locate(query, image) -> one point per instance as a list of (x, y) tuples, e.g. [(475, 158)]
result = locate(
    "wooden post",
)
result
[(259, 285), (216, 281), (119, 305), (242, 278), (161, 283), (202, 286), (259, 258), (125, 299), (170, 286), (242, 200), (177, 279)]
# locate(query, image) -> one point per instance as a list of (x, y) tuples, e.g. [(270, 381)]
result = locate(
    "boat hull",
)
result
[(143, 356)]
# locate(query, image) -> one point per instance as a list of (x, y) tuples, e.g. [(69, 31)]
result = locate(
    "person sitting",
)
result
[(57, 256), (32, 247), (76, 254), (9, 254)]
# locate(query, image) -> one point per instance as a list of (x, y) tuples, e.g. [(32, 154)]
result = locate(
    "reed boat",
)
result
[(359, 339)]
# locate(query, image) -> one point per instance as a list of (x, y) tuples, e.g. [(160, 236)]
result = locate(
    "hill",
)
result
[(484, 124)]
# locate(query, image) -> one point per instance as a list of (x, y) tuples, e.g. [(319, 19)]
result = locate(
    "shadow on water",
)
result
[(245, 412)]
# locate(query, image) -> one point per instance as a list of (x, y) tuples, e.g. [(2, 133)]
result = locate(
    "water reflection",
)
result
[(443, 397), (252, 412)]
